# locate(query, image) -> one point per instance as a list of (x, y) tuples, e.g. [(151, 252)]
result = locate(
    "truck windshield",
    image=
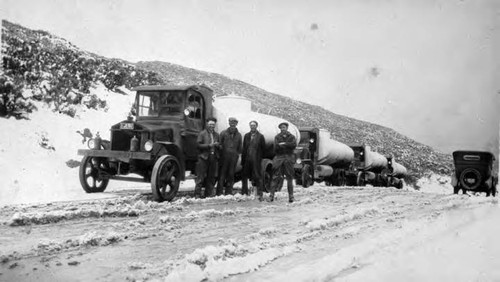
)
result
[(305, 136), (160, 103)]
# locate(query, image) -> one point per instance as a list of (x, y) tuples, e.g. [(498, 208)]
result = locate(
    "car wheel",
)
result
[(90, 178), (165, 179)]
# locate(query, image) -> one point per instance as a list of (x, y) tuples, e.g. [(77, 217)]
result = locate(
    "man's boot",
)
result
[(290, 191)]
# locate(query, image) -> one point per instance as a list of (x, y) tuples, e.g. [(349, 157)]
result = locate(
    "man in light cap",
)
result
[(254, 145), (284, 144), (230, 140), (206, 167)]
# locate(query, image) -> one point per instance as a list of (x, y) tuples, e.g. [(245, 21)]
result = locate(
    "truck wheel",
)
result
[(306, 176), (90, 179), (398, 183), (360, 180), (165, 179)]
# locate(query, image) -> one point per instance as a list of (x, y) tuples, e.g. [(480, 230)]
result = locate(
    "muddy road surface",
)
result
[(326, 234)]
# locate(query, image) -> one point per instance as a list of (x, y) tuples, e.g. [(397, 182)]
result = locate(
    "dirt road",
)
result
[(327, 234)]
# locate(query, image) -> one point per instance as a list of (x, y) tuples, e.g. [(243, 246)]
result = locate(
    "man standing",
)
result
[(284, 144), (230, 140), (253, 147), (206, 168)]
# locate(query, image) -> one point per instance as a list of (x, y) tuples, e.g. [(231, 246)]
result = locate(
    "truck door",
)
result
[(195, 122)]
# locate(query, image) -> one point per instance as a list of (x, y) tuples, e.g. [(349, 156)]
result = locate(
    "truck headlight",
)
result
[(298, 161), (91, 143), (148, 146)]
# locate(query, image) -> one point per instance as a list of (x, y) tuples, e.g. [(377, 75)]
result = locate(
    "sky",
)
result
[(424, 68)]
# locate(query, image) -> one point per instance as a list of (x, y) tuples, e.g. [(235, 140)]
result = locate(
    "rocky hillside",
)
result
[(38, 66), (417, 157)]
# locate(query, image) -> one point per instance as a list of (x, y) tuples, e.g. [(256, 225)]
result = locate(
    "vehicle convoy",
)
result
[(320, 158), (474, 172), (373, 168), (160, 146)]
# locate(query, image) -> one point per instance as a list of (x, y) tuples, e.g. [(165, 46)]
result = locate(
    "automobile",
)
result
[(474, 172)]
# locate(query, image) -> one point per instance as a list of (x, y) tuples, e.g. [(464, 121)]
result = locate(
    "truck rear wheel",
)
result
[(90, 179), (306, 176), (165, 179)]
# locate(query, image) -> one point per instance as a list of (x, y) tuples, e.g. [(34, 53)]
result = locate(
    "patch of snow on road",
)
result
[(214, 263)]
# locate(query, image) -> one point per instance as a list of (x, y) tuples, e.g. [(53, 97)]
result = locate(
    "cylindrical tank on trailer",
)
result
[(398, 170), (332, 152), (374, 160), (240, 108)]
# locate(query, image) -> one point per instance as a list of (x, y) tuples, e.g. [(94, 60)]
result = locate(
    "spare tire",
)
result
[(470, 178)]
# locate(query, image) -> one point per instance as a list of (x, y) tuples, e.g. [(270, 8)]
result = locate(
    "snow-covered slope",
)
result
[(38, 155)]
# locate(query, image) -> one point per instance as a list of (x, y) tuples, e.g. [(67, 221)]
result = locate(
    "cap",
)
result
[(233, 119), (283, 123)]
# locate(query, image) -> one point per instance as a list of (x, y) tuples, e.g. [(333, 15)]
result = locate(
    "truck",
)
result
[(159, 145), (320, 158), (369, 167)]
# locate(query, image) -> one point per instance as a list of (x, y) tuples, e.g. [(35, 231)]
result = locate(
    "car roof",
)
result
[(464, 152)]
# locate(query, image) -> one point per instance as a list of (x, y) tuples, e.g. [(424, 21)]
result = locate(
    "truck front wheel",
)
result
[(165, 178), (90, 179)]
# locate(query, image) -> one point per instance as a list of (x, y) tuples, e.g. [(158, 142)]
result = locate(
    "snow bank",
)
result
[(38, 155), (435, 183)]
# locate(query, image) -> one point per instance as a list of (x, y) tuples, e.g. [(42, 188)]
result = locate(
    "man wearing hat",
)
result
[(284, 144), (230, 140), (254, 145)]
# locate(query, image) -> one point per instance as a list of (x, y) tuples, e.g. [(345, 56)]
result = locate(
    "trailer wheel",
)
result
[(494, 187), (165, 179), (90, 179), (342, 178), (307, 179), (360, 179), (267, 174)]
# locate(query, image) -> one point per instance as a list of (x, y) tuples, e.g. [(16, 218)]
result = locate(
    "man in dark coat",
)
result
[(206, 167), (230, 140), (284, 144), (253, 147)]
